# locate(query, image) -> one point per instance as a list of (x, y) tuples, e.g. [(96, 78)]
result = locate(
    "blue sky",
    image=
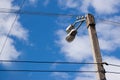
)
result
[(42, 38)]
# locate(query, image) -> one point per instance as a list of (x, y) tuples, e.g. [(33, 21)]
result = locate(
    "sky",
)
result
[(42, 38)]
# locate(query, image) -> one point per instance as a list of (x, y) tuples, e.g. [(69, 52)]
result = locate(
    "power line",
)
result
[(114, 65), (49, 62), (49, 71), (109, 21), (5, 10), (11, 27), (112, 72), (36, 13), (62, 71)]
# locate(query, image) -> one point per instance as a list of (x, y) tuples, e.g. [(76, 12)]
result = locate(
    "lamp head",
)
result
[(69, 28), (71, 36)]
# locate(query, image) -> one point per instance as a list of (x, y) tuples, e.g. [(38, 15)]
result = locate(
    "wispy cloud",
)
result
[(78, 50), (68, 3), (106, 6), (109, 76), (108, 35), (10, 51), (112, 60), (99, 6), (33, 1), (59, 76), (6, 20)]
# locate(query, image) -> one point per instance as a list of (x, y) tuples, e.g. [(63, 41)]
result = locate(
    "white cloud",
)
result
[(6, 4), (85, 5), (68, 3), (59, 76), (112, 60), (17, 31), (33, 1), (78, 50), (83, 78), (108, 35), (86, 75), (9, 51), (100, 6), (6, 20), (106, 6), (92, 76)]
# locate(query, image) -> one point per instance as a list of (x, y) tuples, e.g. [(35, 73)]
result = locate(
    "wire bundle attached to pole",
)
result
[(50, 62)]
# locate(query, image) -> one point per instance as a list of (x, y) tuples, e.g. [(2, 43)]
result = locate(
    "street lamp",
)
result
[(71, 35), (72, 31), (69, 28)]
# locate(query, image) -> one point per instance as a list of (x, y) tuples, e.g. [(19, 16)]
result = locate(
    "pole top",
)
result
[(90, 20)]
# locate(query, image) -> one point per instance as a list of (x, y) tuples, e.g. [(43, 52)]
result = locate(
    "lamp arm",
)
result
[(79, 25)]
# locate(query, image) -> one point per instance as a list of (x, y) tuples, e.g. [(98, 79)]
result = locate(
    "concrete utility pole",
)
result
[(72, 31), (95, 47)]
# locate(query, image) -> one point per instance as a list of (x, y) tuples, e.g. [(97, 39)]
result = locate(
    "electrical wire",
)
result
[(56, 70), (62, 71), (108, 21), (4, 10), (114, 65), (112, 72), (11, 28), (49, 62), (48, 71)]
